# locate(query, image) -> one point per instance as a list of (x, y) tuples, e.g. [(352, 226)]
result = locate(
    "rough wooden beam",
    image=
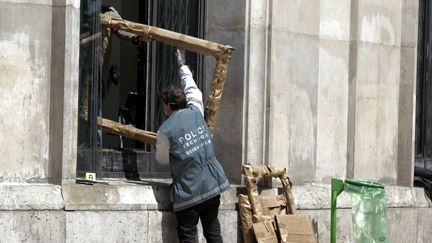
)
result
[(127, 131)]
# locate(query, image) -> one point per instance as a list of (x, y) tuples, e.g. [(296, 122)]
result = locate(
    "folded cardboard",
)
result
[(265, 232), (246, 218), (295, 228)]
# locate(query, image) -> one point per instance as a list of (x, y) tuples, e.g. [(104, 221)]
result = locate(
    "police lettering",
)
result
[(193, 134)]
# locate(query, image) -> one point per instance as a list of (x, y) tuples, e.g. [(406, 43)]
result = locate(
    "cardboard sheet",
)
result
[(246, 219), (265, 232), (295, 228)]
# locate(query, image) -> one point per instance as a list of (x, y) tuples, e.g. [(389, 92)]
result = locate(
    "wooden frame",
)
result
[(222, 54)]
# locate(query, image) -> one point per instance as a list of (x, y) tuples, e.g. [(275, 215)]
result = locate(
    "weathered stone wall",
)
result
[(25, 64), (324, 88), (228, 28), (123, 212), (39, 83), (329, 88)]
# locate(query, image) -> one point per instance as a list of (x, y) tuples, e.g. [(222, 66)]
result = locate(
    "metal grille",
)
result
[(183, 16)]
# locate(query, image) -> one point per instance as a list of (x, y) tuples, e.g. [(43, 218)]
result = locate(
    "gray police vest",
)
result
[(197, 174)]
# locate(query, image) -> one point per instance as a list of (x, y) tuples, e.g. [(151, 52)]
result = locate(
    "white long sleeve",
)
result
[(193, 94), (193, 97), (162, 148)]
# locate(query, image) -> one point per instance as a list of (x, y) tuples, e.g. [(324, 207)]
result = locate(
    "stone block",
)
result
[(376, 137), (409, 25), (303, 109), (332, 123), (369, 21), (36, 2), (343, 224), (391, 20), (408, 56), (258, 14), (279, 89), (367, 68), (70, 88), (111, 226), (116, 197), (161, 227), (398, 196), (402, 224), (233, 16), (26, 62), (230, 228), (312, 196), (335, 20), (424, 221), (73, 3), (376, 113), (229, 199), (389, 65), (296, 16), (257, 78), (32, 226), (408, 66), (379, 22), (293, 102), (420, 200), (30, 197)]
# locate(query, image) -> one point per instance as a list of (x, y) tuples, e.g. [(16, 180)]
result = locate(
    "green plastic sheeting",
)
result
[(368, 202)]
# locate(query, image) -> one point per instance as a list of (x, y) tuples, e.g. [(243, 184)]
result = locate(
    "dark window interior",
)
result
[(140, 71), (423, 132)]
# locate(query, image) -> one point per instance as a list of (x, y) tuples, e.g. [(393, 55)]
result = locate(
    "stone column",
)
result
[(25, 64), (64, 90), (256, 82), (293, 88), (334, 67), (407, 92), (226, 25), (375, 90), (26, 125)]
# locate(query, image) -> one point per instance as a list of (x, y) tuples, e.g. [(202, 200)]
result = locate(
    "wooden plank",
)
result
[(127, 131)]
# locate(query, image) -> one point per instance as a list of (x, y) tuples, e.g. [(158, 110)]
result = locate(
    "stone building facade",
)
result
[(325, 88)]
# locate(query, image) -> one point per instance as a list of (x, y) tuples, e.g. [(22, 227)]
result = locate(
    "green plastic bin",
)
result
[(368, 204)]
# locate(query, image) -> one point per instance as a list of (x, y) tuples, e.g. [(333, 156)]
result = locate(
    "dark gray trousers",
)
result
[(207, 212)]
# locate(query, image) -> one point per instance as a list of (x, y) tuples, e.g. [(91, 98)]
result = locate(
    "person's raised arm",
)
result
[(193, 94)]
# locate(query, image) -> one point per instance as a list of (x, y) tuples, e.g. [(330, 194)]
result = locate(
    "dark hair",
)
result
[(174, 96)]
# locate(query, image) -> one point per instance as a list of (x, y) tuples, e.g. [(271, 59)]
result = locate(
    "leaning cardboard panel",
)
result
[(265, 232), (246, 219), (295, 228), (252, 174), (261, 209), (222, 53)]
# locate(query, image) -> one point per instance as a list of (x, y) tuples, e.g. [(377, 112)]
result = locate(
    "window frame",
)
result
[(220, 52)]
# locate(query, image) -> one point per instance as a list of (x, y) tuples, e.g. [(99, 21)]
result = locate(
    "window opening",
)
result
[(140, 71)]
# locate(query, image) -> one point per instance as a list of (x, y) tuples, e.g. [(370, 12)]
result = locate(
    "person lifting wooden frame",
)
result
[(222, 54)]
